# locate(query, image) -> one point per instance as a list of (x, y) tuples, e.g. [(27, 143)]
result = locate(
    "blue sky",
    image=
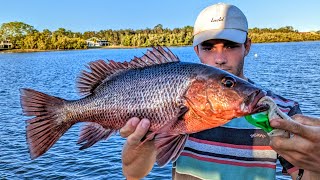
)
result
[(95, 15)]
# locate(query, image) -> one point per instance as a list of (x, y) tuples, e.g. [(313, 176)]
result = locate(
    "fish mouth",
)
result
[(252, 102)]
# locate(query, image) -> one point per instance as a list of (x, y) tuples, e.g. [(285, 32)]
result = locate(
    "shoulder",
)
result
[(286, 105), (280, 100)]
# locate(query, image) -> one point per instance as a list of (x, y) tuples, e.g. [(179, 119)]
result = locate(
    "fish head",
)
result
[(216, 97)]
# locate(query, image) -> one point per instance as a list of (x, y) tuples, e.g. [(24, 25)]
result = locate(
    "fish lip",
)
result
[(252, 102)]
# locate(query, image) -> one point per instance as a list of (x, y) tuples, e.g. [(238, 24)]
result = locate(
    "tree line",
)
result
[(24, 36)]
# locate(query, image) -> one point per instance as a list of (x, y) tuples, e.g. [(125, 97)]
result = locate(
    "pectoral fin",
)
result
[(169, 147), (91, 133)]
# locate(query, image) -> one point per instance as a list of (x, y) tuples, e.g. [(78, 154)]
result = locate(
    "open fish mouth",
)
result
[(253, 103)]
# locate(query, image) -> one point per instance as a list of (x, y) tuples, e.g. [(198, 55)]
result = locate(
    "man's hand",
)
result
[(303, 149), (137, 159)]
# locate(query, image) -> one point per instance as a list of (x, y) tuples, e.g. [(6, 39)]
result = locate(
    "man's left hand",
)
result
[(303, 148)]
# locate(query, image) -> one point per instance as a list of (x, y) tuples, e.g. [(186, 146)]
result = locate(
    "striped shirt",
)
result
[(236, 150)]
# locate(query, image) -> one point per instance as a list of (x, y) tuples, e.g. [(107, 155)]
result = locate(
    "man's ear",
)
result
[(196, 49), (247, 46)]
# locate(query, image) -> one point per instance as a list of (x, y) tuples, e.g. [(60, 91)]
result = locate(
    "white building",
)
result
[(95, 42), (6, 44)]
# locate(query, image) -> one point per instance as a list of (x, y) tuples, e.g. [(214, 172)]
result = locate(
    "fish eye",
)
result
[(228, 81)]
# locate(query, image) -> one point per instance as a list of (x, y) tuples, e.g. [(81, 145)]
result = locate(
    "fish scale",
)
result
[(178, 98), (142, 99)]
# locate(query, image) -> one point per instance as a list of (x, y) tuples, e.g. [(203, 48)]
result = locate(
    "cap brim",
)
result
[(233, 35)]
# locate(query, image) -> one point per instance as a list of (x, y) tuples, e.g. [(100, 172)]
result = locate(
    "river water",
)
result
[(289, 69)]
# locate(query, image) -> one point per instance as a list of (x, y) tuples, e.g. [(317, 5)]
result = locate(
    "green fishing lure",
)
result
[(260, 120)]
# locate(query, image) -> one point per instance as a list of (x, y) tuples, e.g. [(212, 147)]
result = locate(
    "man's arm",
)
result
[(137, 161), (307, 175), (302, 150)]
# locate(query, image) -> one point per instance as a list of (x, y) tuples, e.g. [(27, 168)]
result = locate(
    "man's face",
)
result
[(223, 54)]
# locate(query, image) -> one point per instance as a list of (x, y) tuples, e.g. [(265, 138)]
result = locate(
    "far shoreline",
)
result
[(49, 50), (4, 51)]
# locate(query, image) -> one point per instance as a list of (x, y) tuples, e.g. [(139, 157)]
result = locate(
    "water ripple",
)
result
[(289, 69)]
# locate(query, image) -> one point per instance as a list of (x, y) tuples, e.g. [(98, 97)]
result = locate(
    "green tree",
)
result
[(158, 29), (15, 32), (26, 37)]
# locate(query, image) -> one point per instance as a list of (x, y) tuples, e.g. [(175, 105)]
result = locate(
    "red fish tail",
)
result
[(48, 126)]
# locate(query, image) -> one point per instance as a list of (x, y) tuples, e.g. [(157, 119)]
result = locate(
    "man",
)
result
[(234, 150), (303, 149)]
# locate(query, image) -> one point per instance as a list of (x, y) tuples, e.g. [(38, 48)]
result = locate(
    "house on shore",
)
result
[(95, 42), (5, 44)]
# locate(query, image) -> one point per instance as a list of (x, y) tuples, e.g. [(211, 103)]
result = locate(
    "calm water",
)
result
[(289, 69)]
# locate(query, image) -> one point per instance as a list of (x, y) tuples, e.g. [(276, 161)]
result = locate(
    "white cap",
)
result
[(220, 21)]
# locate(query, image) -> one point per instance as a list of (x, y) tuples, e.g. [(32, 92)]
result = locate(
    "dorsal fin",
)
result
[(99, 70)]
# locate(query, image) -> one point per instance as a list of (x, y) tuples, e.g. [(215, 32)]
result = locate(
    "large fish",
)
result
[(179, 98)]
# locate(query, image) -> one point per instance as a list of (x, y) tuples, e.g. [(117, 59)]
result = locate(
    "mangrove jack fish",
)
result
[(178, 98)]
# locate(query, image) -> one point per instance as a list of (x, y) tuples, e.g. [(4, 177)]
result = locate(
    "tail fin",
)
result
[(49, 124)]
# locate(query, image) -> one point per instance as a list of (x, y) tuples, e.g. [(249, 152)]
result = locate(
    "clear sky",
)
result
[(95, 15)]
